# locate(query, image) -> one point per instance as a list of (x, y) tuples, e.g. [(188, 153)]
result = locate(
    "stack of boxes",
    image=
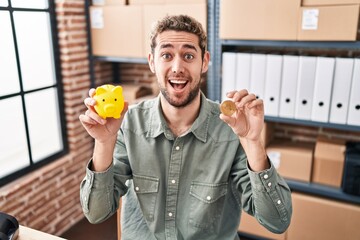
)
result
[(313, 217), (119, 29), (321, 163), (306, 20)]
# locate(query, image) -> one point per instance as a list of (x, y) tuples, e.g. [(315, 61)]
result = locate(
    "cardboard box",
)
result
[(248, 224), (117, 31), (153, 13), (328, 23), (329, 156), (133, 92), (108, 2), (259, 20), (292, 160), (317, 218), (328, 2)]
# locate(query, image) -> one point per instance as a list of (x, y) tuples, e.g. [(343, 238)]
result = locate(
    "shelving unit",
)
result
[(293, 44), (313, 123), (322, 191), (297, 47), (242, 45)]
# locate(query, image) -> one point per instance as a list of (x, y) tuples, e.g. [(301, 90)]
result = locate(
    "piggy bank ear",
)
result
[(100, 90), (117, 90)]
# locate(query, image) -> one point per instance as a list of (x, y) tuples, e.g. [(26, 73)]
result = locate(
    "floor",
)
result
[(103, 231)]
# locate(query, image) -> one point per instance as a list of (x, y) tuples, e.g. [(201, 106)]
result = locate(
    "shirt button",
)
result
[(269, 184), (177, 148), (170, 214), (173, 181), (279, 202), (137, 189), (208, 198), (85, 199), (266, 176)]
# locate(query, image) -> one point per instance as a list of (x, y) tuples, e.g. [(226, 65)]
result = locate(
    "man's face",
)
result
[(178, 66)]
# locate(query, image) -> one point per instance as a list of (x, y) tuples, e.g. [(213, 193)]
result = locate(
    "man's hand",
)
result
[(248, 120), (98, 128)]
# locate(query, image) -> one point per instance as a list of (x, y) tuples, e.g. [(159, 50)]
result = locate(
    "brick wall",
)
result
[(300, 133), (48, 199)]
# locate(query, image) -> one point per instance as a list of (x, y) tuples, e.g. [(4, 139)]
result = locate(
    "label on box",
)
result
[(97, 18), (310, 19), (98, 2), (275, 158)]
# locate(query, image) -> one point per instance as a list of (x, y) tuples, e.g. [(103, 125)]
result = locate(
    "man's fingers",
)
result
[(87, 120), (246, 100), (230, 94), (255, 103), (95, 117), (229, 120), (92, 92), (89, 102), (239, 95)]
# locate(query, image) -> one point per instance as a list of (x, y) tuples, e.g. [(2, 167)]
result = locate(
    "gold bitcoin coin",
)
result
[(228, 107)]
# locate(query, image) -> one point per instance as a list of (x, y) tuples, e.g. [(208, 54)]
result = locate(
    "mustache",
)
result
[(178, 75)]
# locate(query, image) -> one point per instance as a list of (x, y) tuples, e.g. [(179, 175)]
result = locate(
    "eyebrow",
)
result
[(169, 45), (190, 47)]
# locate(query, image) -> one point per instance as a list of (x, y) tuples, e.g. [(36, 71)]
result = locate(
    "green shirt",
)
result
[(188, 187)]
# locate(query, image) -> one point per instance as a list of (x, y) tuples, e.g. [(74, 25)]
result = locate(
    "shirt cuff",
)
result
[(265, 180), (99, 179)]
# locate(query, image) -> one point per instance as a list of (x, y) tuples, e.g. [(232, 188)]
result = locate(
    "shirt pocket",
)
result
[(207, 202), (146, 189)]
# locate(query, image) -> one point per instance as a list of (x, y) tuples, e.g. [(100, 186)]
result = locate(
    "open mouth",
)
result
[(178, 84)]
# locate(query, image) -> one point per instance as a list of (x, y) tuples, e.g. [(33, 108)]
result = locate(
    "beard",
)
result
[(181, 103)]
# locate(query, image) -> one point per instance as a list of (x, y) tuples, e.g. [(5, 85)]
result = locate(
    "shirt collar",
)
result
[(158, 125)]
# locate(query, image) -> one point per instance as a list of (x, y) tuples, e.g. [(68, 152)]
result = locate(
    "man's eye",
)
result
[(189, 56), (166, 56)]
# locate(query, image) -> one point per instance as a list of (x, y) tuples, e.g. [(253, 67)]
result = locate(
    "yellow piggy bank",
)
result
[(109, 101)]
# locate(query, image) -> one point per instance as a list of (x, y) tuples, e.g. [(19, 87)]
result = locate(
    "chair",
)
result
[(118, 216)]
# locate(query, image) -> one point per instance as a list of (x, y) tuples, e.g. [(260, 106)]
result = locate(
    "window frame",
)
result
[(51, 10)]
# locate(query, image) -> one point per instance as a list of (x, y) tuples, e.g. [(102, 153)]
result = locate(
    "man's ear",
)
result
[(151, 62), (206, 61)]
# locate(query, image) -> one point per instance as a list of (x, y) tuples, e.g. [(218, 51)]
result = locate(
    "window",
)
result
[(32, 123)]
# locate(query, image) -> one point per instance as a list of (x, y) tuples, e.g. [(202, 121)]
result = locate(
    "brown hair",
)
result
[(179, 23)]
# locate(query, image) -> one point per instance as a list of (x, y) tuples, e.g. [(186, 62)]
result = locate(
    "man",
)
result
[(193, 168)]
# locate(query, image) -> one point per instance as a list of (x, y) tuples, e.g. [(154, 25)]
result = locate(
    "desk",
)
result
[(26, 233)]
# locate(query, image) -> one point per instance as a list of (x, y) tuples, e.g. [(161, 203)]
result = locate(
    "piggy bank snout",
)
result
[(109, 108)]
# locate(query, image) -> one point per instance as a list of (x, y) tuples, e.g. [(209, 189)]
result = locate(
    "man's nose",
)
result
[(178, 65)]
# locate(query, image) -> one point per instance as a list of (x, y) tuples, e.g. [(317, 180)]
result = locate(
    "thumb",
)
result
[(227, 119)]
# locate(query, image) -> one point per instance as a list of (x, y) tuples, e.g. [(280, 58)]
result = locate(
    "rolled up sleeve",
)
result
[(272, 205), (97, 194)]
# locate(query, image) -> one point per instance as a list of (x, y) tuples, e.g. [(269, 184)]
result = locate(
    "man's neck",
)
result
[(181, 119)]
